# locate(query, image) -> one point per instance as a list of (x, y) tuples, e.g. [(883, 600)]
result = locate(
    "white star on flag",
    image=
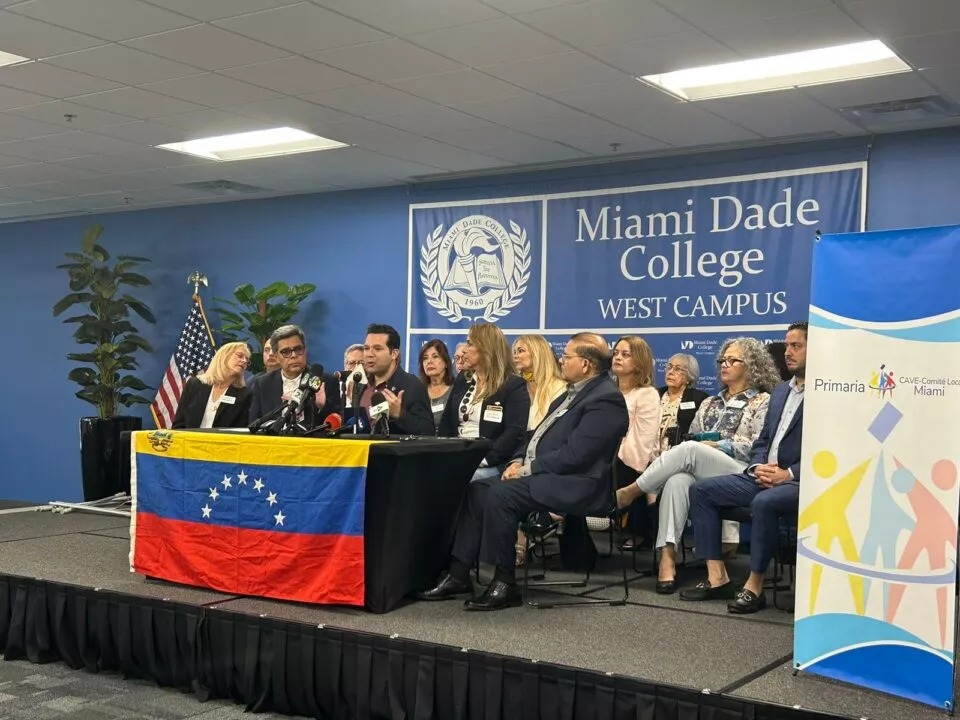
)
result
[(242, 478), (272, 498), (225, 482), (258, 484), (279, 517), (214, 494), (206, 510)]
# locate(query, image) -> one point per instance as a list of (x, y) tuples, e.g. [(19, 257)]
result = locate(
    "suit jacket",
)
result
[(509, 434), (788, 454), (572, 466), (416, 415), (193, 403), (685, 415), (266, 391)]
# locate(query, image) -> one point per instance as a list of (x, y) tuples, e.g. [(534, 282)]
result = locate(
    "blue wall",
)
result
[(353, 245)]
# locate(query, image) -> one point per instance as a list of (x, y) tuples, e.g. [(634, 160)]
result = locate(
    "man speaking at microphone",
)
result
[(273, 389), (408, 407)]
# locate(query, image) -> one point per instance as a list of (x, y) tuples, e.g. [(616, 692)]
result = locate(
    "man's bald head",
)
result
[(586, 355)]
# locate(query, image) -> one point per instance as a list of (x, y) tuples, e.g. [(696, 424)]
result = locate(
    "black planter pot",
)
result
[(100, 455)]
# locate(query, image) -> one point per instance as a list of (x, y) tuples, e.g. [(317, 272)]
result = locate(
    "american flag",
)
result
[(193, 354)]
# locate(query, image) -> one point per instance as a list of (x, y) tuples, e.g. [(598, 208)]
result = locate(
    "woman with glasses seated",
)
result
[(217, 397), (723, 431), (488, 400), (679, 399), (436, 373)]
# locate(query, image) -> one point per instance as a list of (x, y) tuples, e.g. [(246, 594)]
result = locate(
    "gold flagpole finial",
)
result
[(197, 278)]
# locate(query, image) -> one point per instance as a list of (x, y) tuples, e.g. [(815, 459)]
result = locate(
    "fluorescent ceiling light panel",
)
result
[(779, 72), (256, 144), (11, 59)]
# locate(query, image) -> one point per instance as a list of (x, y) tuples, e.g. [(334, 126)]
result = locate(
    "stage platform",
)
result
[(66, 593)]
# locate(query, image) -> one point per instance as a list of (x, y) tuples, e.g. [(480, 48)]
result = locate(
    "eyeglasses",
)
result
[(565, 357), (458, 358), (676, 368), (728, 362), (292, 352)]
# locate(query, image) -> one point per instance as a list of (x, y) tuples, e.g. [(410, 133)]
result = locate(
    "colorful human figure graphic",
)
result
[(888, 384), (887, 521), (875, 383), (934, 531), (829, 513)]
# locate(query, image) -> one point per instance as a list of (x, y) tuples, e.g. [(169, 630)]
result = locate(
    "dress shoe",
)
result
[(704, 591), (747, 602), (497, 596), (447, 588), (666, 587)]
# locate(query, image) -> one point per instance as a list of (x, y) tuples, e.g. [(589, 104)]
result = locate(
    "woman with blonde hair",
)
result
[(488, 400), (537, 364), (217, 397), (723, 431)]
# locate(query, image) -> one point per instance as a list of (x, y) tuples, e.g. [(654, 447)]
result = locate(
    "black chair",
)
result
[(535, 530)]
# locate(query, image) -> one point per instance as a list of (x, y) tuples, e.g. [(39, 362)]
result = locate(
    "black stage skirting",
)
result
[(295, 668)]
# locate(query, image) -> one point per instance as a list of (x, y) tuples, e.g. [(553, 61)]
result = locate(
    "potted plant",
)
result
[(255, 314), (97, 291)]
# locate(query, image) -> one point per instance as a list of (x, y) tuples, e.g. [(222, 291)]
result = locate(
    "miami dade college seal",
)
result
[(477, 270)]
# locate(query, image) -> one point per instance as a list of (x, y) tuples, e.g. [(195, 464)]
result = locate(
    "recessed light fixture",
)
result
[(11, 59), (255, 144), (779, 72)]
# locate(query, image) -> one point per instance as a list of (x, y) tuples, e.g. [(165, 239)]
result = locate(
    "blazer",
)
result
[(572, 466), (685, 415), (416, 416), (266, 391), (193, 403), (508, 435), (788, 454)]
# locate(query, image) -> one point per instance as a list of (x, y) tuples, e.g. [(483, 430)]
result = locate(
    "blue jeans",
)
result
[(711, 495)]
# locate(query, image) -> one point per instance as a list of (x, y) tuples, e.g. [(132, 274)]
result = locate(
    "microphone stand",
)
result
[(258, 424)]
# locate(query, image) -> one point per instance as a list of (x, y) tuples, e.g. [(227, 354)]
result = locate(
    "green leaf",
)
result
[(133, 258), (139, 308), (272, 290), (128, 399), (245, 295), (100, 253), (84, 376), (133, 383), (90, 237), (89, 395), (69, 301), (83, 357), (134, 279)]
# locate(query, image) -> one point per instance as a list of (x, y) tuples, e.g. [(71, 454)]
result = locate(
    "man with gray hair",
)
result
[(352, 360)]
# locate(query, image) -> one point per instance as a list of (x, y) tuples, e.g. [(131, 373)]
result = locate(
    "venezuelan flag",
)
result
[(275, 517)]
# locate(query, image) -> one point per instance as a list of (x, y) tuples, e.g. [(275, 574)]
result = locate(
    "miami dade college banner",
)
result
[(877, 541), (684, 264)]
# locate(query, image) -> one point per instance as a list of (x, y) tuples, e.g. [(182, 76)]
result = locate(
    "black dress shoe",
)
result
[(704, 591), (666, 587), (747, 603), (497, 596), (449, 587)]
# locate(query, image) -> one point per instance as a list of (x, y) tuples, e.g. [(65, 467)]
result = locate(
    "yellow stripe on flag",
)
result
[(253, 449)]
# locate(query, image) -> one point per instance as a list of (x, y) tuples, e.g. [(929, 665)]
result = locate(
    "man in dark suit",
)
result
[(409, 405), (770, 486), (565, 467)]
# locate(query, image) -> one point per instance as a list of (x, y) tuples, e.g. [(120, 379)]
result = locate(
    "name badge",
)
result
[(227, 400), (688, 405), (736, 404), (493, 413), (437, 407)]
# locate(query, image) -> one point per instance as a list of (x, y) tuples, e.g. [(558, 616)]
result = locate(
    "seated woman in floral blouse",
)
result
[(727, 424)]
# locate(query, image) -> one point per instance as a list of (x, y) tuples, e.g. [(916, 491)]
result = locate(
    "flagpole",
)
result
[(197, 278)]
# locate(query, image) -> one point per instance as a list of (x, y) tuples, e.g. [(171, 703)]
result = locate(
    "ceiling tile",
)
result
[(602, 22), (525, 112), (927, 51), (710, 13), (38, 150), (41, 173), (665, 53), (870, 90), (15, 127), (371, 100), (597, 137), (294, 76), (207, 10), (69, 116), (387, 60), (946, 80), (292, 112), (207, 47), (122, 64), (56, 82), (514, 7), (555, 72), (136, 103), (405, 18), (47, 191), (760, 37), (140, 132), (210, 123), (483, 43), (211, 90), (10, 98), (11, 160), (534, 150), (303, 28), (893, 18), (109, 19), (456, 88), (34, 39), (776, 114), (88, 143), (441, 124), (137, 160)]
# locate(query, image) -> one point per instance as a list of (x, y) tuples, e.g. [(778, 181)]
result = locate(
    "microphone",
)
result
[(310, 382), (333, 422), (379, 411)]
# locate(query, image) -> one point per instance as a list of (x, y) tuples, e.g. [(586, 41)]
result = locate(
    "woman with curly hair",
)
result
[(723, 431)]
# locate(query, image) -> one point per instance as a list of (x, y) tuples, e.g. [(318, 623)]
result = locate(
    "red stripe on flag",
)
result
[(281, 565)]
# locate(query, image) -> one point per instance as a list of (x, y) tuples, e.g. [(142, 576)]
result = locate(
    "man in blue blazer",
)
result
[(770, 486), (565, 467)]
